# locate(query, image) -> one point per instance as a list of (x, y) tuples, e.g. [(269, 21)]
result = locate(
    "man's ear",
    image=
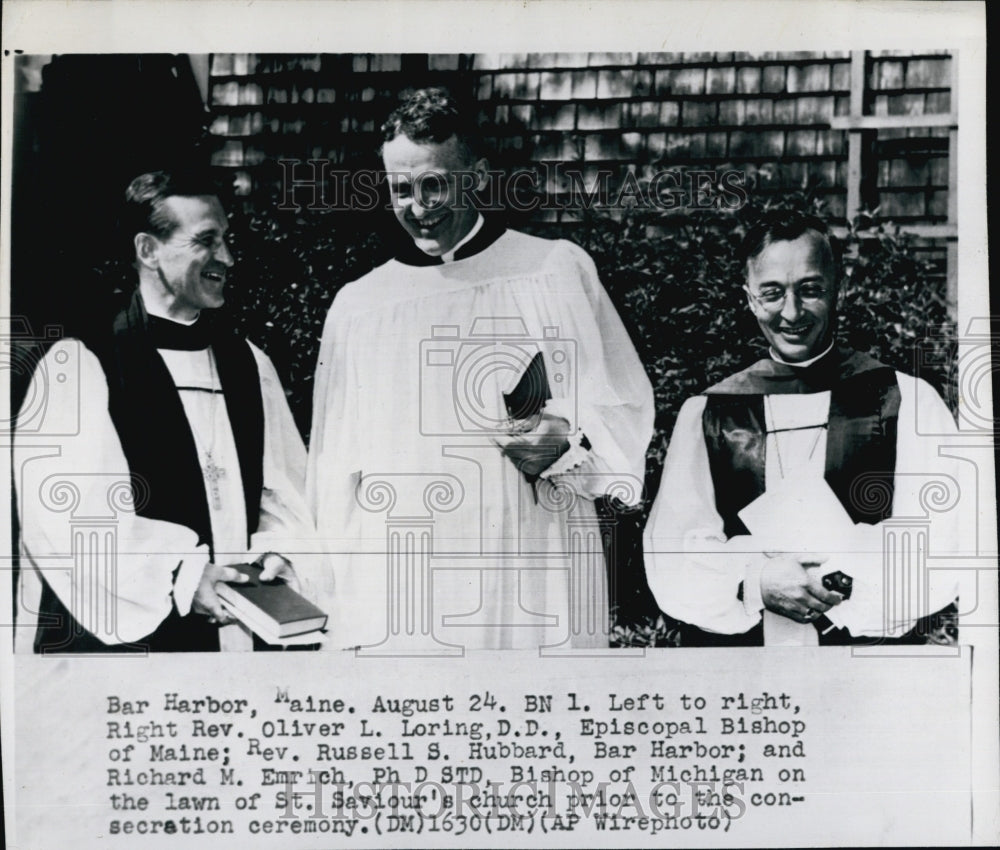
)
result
[(750, 301), (146, 250), (481, 169)]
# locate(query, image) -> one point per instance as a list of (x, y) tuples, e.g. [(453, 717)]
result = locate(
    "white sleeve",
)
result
[(118, 573), (692, 570), (908, 566), (327, 407), (614, 400), (285, 525)]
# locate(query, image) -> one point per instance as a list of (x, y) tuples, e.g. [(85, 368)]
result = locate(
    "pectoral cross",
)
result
[(213, 474)]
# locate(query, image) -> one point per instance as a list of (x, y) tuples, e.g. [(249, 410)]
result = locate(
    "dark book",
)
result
[(270, 608), (532, 391)]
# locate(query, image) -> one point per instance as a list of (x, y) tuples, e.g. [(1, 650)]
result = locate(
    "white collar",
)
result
[(153, 311), (450, 256), (802, 363)]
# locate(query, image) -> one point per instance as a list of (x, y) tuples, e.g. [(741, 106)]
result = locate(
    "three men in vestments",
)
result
[(473, 397)]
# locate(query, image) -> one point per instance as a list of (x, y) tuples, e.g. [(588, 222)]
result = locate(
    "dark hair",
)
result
[(145, 211), (432, 115), (784, 226)]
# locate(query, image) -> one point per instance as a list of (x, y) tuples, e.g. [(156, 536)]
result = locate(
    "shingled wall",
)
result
[(766, 114)]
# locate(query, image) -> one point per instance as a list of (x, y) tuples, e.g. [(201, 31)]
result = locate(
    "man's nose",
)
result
[(791, 306), (223, 256), (418, 207)]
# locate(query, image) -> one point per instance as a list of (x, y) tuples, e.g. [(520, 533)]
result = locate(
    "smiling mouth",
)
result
[(428, 224), (796, 330), (214, 276)]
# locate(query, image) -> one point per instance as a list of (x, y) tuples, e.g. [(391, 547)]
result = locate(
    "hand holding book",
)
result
[(206, 599), (536, 439), (537, 447), (272, 609), (277, 566)]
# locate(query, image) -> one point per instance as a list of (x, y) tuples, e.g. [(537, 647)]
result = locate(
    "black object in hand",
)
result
[(841, 582), (532, 391)]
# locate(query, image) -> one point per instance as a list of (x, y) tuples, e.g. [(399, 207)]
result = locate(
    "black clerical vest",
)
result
[(164, 463), (861, 439)]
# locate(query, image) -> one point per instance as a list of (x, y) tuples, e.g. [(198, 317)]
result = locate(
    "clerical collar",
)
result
[(768, 375), (185, 336), (478, 239), (449, 256), (802, 364)]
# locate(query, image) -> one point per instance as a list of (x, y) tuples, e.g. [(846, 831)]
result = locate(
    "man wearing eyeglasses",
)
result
[(780, 480)]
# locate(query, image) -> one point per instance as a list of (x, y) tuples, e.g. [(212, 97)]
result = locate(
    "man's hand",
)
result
[(536, 448), (789, 589), (206, 601), (277, 566)]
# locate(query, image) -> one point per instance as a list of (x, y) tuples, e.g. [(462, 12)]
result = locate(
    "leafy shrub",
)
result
[(647, 630)]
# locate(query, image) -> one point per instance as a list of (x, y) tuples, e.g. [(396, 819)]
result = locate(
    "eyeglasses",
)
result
[(772, 298)]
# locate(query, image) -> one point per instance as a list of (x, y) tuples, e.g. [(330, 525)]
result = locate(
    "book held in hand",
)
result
[(531, 392), (271, 609)]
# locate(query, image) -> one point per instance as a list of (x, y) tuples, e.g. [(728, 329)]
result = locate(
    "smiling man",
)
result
[(490, 365), (190, 419), (778, 481)]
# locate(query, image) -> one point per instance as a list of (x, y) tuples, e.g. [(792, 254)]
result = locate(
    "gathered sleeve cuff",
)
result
[(186, 583)]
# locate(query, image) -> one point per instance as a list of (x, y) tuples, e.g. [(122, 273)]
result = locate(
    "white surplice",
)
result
[(77, 517), (408, 397)]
